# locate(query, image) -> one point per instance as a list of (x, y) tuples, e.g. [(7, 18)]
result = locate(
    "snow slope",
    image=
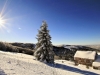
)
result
[(22, 64)]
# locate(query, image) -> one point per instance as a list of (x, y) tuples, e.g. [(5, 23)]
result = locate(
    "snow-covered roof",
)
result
[(85, 54), (97, 61)]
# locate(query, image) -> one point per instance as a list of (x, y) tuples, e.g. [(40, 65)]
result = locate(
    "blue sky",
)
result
[(75, 22)]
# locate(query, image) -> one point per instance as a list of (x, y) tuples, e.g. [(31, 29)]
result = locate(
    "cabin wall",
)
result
[(87, 62), (95, 67)]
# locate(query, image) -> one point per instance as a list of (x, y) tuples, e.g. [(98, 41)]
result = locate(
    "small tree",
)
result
[(44, 48)]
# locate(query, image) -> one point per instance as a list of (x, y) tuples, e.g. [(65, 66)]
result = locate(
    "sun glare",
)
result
[(1, 21)]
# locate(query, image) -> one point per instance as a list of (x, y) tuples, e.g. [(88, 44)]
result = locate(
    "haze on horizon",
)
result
[(75, 22)]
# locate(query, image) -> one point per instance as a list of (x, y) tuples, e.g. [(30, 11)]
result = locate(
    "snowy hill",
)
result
[(22, 64)]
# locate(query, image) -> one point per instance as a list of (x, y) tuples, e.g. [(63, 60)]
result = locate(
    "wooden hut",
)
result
[(84, 57)]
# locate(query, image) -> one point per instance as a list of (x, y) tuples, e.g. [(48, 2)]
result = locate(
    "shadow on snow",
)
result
[(73, 69), (2, 72)]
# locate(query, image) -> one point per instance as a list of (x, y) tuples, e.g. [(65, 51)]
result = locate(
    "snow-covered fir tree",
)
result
[(44, 48)]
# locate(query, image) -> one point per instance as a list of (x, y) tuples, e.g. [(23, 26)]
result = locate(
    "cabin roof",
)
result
[(85, 54)]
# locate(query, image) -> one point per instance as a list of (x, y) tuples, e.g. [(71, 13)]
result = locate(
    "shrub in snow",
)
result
[(24, 45), (44, 48), (25, 51), (2, 46), (8, 47)]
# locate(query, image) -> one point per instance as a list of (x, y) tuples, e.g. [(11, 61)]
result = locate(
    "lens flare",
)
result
[(3, 19), (3, 23)]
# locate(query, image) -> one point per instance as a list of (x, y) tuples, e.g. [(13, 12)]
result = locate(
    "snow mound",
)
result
[(96, 63)]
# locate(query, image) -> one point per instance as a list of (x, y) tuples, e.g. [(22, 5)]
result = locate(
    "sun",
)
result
[(2, 22)]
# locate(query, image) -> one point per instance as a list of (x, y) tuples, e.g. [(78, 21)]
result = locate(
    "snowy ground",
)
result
[(22, 64)]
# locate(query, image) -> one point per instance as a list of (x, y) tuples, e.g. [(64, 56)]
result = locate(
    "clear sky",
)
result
[(75, 22)]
